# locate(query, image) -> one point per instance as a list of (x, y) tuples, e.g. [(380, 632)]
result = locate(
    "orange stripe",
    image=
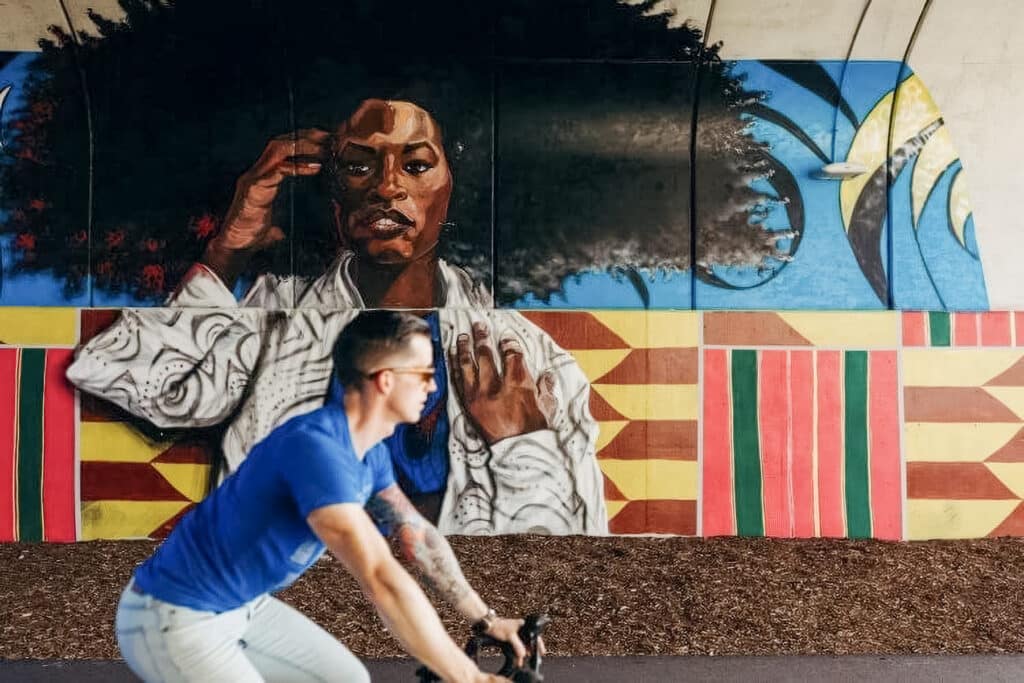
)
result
[(59, 505), (655, 366), (656, 517), (1018, 323), (995, 329), (830, 445), (914, 325), (965, 329), (8, 442), (954, 404), (954, 481), (716, 494), (773, 420), (883, 426), (801, 392)]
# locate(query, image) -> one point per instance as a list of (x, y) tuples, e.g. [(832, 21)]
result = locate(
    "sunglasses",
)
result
[(425, 374)]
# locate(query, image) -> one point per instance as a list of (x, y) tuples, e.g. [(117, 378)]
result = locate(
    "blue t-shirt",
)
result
[(250, 536)]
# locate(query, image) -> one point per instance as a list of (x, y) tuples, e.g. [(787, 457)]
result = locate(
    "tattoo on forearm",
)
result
[(421, 544)]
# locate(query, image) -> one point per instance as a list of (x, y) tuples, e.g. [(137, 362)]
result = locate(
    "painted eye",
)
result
[(353, 168), (417, 167)]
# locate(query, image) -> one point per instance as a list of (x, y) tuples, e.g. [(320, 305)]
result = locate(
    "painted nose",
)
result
[(389, 187)]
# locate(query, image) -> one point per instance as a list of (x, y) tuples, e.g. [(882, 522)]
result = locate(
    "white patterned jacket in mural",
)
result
[(261, 361)]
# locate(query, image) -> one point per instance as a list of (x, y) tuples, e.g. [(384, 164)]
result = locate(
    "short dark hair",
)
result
[(373, 333)]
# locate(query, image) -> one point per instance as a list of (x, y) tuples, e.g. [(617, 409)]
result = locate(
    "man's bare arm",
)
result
[(348, 532), (423, 545), (426, 547)]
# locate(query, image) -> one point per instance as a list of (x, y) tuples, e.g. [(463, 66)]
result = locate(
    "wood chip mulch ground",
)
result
[(606, 596)]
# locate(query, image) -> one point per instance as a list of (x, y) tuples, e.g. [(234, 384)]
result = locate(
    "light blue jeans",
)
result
[(263, 640)]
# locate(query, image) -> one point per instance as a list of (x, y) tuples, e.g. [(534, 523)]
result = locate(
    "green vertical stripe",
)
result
[(30, 445), (938, 325), (858, 504), (746, 452)]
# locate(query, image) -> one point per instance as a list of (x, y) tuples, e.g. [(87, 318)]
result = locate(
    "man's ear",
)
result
[(384, 381)]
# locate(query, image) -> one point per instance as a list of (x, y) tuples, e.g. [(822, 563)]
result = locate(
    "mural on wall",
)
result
[(801, 443), (38, 460), (964, 442), (938, 328), (243, 203), (907, 206), (618, 229), (643, 368)]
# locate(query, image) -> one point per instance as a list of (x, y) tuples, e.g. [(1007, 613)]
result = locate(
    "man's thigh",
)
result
[(171, 644), (287, 647)]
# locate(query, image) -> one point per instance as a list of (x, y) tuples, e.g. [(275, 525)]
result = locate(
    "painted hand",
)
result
[(247, 226), (501, 404)]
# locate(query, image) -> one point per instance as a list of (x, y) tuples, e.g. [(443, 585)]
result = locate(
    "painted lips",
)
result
[(386, 224)]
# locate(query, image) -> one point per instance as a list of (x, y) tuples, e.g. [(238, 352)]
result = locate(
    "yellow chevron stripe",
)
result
[(614, 507), (42, 325), (1011, 474), (116, 442), (652, 329), (596, 363), (188, 478), (651, 401), (955, 367), (653, 479), (608, 430), (1011, 397), (955, 442), (122, 519), (867, 330), (955, 518)]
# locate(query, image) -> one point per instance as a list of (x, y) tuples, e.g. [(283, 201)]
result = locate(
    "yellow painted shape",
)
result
[(952, 442), (116, 442), (914, 110), (652, 329), (651, 401), (955, 367), (614, 507), (116, 519), (839, 329), (38, 325), (188, 478), (1011, 397), (1011, 474), (596, 363), (959, 207), (869, 149), (608, 430), (937, 155), (653, 479), (955, 518)]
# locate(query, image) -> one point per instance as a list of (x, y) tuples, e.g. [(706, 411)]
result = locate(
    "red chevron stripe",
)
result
[(125, 481), (655, 366), (575, 330), (650, 439), (656, 517), (954, 404), (954, 481)]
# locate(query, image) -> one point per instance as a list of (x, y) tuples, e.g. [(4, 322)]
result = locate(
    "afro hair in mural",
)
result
[(124, 154)]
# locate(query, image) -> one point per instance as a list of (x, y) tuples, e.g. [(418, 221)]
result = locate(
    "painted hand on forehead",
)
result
[(506, 403), (247, 226)]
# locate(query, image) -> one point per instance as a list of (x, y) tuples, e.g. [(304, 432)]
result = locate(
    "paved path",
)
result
[(923, 669)]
